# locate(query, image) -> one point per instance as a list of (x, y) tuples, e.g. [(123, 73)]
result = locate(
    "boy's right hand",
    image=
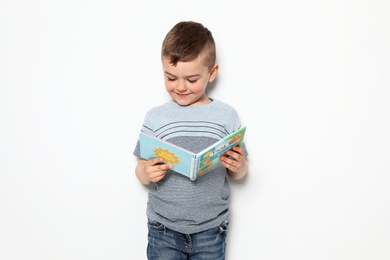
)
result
[(154, 169)]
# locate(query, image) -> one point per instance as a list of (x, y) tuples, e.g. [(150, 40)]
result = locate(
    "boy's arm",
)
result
[(236, 163), (148, 171)]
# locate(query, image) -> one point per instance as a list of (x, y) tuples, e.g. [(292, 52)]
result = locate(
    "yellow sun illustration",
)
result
[(166, 155), (208, 154)]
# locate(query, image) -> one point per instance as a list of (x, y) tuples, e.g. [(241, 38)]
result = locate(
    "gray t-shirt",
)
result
[(177, 202)]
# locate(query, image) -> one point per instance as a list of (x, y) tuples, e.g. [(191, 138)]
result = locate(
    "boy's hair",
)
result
[(186, 41)]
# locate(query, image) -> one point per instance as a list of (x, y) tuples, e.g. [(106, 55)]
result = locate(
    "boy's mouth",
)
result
[(181, 95)]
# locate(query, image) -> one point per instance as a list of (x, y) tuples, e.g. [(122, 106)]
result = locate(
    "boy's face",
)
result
[(187, 81)]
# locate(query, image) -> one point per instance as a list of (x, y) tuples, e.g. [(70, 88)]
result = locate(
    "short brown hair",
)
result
[(186, 41)]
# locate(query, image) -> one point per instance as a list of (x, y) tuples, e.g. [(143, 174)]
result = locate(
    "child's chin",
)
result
[(182, 102)]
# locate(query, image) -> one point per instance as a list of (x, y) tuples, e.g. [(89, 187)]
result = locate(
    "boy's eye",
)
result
[(171, 79), (192, 81)]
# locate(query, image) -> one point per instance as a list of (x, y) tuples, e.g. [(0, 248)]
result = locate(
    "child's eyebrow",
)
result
[(169, 74), (189, 76), (195, 75)]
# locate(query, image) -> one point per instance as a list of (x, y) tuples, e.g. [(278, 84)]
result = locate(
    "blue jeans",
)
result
[(166, 244)]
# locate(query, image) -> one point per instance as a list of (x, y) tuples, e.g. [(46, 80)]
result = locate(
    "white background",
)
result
[(309, 78)]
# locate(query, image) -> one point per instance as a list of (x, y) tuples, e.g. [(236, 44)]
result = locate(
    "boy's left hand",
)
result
[(235, 162)]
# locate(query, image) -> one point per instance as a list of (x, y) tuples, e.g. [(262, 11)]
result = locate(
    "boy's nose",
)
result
[(181, 86)]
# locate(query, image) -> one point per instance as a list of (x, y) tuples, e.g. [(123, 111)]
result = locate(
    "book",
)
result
[(186, 162)]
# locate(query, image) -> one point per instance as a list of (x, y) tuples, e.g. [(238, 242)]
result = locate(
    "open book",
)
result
[(185, 162)]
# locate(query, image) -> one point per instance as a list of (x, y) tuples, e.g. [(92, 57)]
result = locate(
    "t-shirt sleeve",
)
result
[(136, 151)]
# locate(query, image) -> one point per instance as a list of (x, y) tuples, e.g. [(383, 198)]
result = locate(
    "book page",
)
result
[(209, 157), (152, 147)]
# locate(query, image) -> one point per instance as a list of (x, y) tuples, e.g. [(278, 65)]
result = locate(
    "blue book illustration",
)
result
[(185, 162)]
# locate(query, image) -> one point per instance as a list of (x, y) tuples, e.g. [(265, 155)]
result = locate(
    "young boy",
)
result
[(188, 219)]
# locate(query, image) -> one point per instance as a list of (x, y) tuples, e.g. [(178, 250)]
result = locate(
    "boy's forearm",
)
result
[(141, 173)]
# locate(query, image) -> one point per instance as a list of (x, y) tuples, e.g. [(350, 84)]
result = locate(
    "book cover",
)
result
[(185, 162)]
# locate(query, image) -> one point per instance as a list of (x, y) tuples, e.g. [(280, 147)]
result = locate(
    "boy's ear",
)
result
[(213, 73)]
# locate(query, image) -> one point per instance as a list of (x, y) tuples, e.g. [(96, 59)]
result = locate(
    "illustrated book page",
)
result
[(185, 162)]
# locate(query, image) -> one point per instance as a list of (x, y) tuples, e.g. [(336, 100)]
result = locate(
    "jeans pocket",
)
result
[(154, 225)]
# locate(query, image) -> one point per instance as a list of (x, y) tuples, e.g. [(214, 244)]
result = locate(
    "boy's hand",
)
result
[(152, 170), (235, 162), (155, 169)]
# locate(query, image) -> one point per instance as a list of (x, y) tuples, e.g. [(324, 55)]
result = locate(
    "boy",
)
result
[(188, 219)]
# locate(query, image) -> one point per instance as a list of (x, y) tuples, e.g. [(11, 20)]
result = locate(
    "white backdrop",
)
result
[(309, 78)]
